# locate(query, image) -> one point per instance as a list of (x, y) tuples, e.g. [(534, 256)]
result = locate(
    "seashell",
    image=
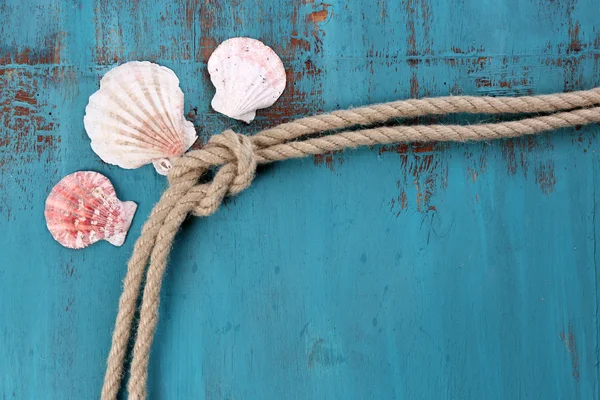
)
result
[(248, 76), (83, 208), (136, 117)]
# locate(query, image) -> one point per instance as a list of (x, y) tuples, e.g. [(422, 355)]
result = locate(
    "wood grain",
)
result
[(398, 272)]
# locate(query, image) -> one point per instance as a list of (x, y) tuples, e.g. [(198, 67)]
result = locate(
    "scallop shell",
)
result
[(248, 76), (83, 208), (136, 117)]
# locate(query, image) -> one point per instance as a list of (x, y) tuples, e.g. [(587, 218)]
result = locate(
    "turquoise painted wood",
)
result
[(437, 271)]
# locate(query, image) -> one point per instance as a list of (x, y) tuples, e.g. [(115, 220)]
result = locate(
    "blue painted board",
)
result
[(448, 271)]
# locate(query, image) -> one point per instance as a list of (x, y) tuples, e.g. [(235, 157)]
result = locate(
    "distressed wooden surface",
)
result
[(398, 272)]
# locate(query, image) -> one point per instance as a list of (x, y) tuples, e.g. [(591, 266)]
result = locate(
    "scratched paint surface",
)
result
[(394, 272)]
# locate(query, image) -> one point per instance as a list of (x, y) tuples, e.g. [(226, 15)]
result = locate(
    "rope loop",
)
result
[(233, 152), (244, 158)]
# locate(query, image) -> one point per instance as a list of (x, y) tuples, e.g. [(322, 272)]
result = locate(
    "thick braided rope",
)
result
[(412, 108), (238, 156), (141, 253)]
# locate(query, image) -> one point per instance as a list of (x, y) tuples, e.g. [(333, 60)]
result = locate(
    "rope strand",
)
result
[(237, 156), (378, 113)]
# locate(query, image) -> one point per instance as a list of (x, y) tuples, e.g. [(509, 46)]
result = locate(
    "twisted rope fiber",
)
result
[(238, 155)]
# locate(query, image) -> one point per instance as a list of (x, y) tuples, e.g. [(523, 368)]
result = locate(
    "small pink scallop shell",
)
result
[(83, 208)]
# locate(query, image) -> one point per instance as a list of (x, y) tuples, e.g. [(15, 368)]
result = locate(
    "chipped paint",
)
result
[(570, 343), (109, 37), (515, 152), (424, 174), (303, 92), (48, 53), (419, 12), (545, 177), (207, 46), (29, 133), (329, 159), (209, 14), (476, 160), (297, 44), (319, 16)]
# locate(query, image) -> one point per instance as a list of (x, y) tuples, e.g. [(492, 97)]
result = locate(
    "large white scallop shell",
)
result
[(83, 208), (136, 117), (248, 76)]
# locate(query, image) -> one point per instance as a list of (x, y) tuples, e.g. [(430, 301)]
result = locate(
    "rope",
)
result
[(238, 155)]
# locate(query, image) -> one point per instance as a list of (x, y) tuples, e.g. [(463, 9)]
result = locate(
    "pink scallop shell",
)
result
[(83, 208)]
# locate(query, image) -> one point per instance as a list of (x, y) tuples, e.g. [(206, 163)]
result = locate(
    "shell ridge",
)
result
[(145, 122), (77, 190), (146, 117), (253, 95), (170, 121), (124, 106), (177, 117), (176, 133), (130, 136), (159, 142), (256, 92), (134, 160), (102, 199), (241, 105), (131, 133), (164, 124)]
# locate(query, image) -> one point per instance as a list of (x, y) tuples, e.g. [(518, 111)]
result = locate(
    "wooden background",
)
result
[(447, 271)]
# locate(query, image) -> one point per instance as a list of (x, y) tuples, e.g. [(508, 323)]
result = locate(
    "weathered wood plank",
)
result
[(398, 272)]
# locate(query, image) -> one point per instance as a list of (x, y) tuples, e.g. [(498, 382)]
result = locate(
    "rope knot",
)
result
[(243, 158), (233, 152)]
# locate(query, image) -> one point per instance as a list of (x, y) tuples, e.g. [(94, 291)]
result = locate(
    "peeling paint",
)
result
[(299, 44), (545, 177), (28, 134), (515, 152), (424, 172), (570, 342), (419, 14), (49, 53), (318, 16), (329, 159), (109, 38), (209, 17), (301, 96)]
